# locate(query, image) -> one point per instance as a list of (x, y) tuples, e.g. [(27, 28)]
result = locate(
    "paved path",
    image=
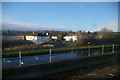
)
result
[(102, 72)]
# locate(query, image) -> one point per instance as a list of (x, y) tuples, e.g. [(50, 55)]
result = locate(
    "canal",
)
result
[(11, 62)]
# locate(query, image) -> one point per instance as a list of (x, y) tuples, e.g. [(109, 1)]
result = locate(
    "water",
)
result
[(10, 62)]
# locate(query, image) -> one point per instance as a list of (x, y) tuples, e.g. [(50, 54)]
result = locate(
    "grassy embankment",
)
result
[(14, 53)]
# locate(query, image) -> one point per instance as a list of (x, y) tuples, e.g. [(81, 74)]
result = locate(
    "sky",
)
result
[(60, 0), (63, 16)]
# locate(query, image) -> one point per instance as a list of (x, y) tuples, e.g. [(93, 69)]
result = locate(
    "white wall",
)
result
[(31, 38), (70, 38), (54, 37)]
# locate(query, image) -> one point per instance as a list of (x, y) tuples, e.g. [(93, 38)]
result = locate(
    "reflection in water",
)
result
[(21, 62), (50, 58), (9, 62), (36, 57)]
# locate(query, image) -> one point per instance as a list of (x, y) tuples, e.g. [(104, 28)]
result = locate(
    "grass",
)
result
[(14, 53)]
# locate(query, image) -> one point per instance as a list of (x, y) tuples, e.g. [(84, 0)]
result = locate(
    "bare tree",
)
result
[(105, 33)]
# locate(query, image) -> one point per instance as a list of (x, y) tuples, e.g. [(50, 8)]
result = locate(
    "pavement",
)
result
[(108, 71)]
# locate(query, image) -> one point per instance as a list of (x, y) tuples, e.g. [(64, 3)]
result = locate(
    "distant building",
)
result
[(70, 38), (99, 37), (21, 37), (31, 38), (42, 34), (41, 39), (54, 37), (47, 34), (38, 39)]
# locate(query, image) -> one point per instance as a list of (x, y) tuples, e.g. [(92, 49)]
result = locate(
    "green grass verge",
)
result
[(53, 50)]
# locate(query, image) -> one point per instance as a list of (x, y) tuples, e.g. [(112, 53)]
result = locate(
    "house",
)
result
[(31, 38), (39, 38), (70, 38), (21, 37), (54, 37)]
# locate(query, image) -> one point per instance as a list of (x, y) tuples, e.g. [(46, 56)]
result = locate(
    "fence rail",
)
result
[(73, 50)]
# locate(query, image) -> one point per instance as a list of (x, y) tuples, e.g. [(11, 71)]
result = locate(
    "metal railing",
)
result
[(50, 53)]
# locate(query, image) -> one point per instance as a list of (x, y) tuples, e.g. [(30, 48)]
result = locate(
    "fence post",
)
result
[(20, 58), (50, 51), (50, 58), (50, 55), (113, 47), (72, 50), (102, 49), (88, 48)]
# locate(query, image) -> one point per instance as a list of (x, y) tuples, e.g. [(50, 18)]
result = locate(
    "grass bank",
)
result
[(14, 53)]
